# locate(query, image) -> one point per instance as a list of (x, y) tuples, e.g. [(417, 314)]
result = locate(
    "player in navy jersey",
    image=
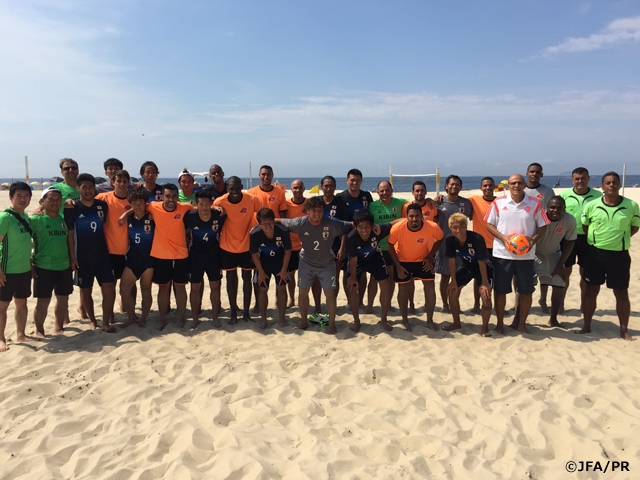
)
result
[(88, 250), (204, 225), (138, 263), (270, 247), (149, 173), (364, 255), (470, 248)]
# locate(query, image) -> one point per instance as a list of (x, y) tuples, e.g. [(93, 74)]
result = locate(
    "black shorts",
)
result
[(387, 258), (415, 272), (118, 262), (294, 261), (48, 281), (271, 271), (199, 264), (98, 268), (138, 265), (17, 285), (377, 268), (465, 274), (504, 271), (165, 271), (580, 251), (608, 266), (231, 261)]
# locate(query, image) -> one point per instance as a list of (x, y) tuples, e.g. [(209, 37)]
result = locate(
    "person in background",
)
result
[(149, 173), (534, 188), (295, 209), (111, 166), (218, 185)]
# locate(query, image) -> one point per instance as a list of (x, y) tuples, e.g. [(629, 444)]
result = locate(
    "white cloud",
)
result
[(623, 30)]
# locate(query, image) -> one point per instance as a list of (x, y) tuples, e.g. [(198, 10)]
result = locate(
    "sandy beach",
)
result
[(236, 402)]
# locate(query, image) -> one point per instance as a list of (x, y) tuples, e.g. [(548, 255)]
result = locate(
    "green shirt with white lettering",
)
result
[(385, 214), (15, 249), (50, 250), (610, 226), (575, 204)]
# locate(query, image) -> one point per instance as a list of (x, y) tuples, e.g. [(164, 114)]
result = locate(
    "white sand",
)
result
[(237, 403)]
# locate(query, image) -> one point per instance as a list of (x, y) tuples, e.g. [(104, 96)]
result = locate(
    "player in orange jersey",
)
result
[(295, 208)]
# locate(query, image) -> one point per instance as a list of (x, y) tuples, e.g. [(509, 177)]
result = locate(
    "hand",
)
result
[(34, 274), (438, 199), (376, 229), (283, 274), (531, 242), (69, 203), (560, 270), (74, 265), (340, 254), (39, 210), (451, 289), (427, 264), (485, 290), (431, 203), (3, 278), (262, 277), (352, 282), (122, 221), (220, 210), (401, 271)]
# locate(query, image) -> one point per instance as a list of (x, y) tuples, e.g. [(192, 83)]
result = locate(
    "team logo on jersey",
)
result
[(365, 203), (325, 235), (471, 249), (559, 229), (100, 213), (147, 228), (420, 240), (461, 209), (158, 197), (374, 244), (332, 213), (63, 225), (272, 199), (527, 209), (127, 207), (394, 209), (540, 195), (214, 227), (177, 216), (244, 210), (426, 214), (279, 241)]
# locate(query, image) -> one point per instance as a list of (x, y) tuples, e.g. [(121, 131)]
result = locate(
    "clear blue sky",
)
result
[(316, 88)]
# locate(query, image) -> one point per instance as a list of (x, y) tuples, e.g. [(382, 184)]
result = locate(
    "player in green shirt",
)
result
[(15, 261), (384, 210), (609, 223), (68, 187), (575, 200), (51, 268)]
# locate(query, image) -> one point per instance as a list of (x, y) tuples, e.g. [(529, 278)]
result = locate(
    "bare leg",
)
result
[(429, 301), (232, 293), (3, 324), (454, 304), (108, 300), (362, 287), (566, 288), (180, 292), (195, 301), (486, 315), (411, 293), (263, 301), (385, 302), (164, 298), (127, 282), (281, 292), (332, 306), (501, 301), (476, 298), (404, 290), (623, 309), (444, 284), (557, 297), (525, 307), (303, 301), (589, 306), (147, 300), (20, 315), (40, 315), (214, 296), (354, 303), (246, 290), (317, 292), (87, 303), (543, 298), (256, 294), (291, 288), (392, 287), (372, 292)]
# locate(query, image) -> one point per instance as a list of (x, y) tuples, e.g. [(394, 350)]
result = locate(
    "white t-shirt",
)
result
[(510, 218), (542, 193)]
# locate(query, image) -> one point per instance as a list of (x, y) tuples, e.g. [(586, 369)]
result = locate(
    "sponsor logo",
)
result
[(244, 210), (272, 199), (505, 208), (527, 209), (177, 216), (559, 229), (420, 240)]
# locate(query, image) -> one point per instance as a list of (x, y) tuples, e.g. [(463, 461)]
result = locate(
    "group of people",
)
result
[(172, 235)]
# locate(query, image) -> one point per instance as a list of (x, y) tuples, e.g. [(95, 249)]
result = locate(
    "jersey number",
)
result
[(137, 238), (316, 245), (94, 226), (206, 237)]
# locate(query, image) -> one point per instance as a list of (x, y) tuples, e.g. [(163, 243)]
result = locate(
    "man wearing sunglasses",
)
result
[(69, 171)]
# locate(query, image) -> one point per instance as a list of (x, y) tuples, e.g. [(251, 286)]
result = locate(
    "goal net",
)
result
[(404, 182)]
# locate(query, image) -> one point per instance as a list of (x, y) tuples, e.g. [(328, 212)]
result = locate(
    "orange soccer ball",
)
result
[(518, 244)]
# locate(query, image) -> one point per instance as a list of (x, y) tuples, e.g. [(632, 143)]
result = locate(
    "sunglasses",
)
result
[(72, 167)]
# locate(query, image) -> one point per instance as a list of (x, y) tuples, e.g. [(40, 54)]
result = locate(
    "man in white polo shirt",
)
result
[(515, 213)]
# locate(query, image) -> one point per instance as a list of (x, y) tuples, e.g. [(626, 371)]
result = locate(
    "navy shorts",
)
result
[(504, 271), (608, 266), (377, 268), (199, 264), (415, 272), (165, 271), (294, 261), (17, 285), (118, 262), (271, 271), (465, 274), (98, 268), (138, 265), (49, 281)]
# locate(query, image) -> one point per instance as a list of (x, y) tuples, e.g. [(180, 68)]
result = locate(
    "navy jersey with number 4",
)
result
[(87, 223), (270, 250), (205, 236), (141, 233), (366, 250), (471, 252)]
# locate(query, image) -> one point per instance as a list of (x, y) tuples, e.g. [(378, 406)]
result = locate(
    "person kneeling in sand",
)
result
[(270, 247), (476, 265), (364, 255), (51, 267)]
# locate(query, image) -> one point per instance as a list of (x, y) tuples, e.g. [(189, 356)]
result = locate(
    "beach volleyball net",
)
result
[(404, 182)]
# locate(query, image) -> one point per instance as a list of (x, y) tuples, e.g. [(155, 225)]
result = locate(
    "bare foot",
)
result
[(453, 326), (475, 310), (625, 334), (182, 322), (554, 323), (233, 318), (262, 324), (430, 325), (283, 323), (392, 308), (368, 309), (317, 309), (24, 338), (246, 317), (217, 323), (93, 325), (499, 329), (255, 309), (39, 335), (303, 325), (290, 305), (332, 330), (195, 324), (412, 310), (515, 324), (387, 327), (523, 329), (83, 313), (109, 328), (58, 331), (161, 326), (484, 332), (446, 309), (3, 346), (142, 322), (406, 325), (543, 306), (130, 322), (584, 330), (355, 327)]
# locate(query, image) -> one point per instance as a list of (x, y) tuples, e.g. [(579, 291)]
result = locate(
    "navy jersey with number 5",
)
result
[(87, 223), (141, 233), (205, 235)]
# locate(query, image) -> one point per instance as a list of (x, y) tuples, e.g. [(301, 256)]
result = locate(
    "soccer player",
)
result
[(218, 185), (534, 188), (241, 209), (451, 203), (413, 243), (481, 205), (204, 226), (576, 199), (295, 209), (476, 265), (149, 173), (169, 252), (270, 247), (88, 253), (51, 267), (186, 181), (365, 255), (317, 232), (514, 213), (384, 210), (609, 223), (15, 263), (552, 250), (111, 166), (138, 261)]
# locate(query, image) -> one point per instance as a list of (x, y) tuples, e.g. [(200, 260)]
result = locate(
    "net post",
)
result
[(437, 181)]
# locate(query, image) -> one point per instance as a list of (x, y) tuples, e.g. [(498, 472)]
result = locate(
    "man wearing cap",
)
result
[(187, 193), (51, 268)]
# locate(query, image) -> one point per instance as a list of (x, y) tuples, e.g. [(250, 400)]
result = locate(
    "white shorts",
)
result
[(544, 265)]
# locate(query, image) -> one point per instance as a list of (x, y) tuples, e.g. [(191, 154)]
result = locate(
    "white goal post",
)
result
[(396, 178)]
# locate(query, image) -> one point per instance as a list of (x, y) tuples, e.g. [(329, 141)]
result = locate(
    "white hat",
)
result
[(50, 189), (185, 172)]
